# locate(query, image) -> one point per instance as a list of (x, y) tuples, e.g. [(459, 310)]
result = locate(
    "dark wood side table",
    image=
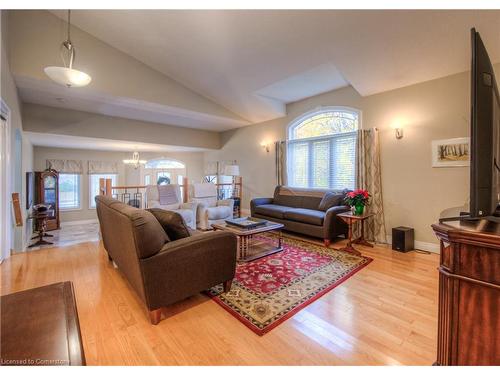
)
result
[(41, 218), (40, 327), (349, 218)]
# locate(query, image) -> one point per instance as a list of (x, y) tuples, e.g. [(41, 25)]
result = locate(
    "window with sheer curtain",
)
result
[(94, 185), (322, 149)]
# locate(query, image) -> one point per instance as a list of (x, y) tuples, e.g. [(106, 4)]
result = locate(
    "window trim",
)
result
[(318, 111), (80, 194), (314, 112), (90, 187)]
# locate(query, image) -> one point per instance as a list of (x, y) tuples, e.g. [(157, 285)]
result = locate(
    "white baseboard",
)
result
[(78, 222), (421, 245)]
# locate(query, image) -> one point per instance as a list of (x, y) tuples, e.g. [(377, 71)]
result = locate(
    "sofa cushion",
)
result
[(172, 222), (288, 200), (219, 212), (305, 215), (298, 197), (331, 199), (149, 236), (311, 203), (272, 210)]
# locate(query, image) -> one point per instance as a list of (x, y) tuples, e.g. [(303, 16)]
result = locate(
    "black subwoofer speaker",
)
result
[(403, 239)]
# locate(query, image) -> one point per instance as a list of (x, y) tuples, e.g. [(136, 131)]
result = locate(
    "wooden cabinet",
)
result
[(47, 192), (469, 293)]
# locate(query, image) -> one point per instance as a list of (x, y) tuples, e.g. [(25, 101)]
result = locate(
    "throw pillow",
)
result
[(331, 199), (172, 222)]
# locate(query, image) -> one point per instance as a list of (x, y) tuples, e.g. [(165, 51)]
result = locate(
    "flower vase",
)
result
[(359, 209)]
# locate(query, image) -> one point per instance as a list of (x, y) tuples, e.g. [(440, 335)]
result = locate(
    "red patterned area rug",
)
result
[(267, 291)]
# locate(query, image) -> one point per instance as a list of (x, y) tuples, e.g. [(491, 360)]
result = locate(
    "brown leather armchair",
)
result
[(160, 269)]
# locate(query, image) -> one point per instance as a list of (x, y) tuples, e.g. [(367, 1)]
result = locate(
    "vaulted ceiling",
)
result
[(244, 66)]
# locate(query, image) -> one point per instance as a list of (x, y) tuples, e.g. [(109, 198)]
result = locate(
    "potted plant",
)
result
[(357, 199)]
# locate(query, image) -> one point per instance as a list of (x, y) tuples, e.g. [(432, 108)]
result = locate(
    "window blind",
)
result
[(323, 162), (65, 166)]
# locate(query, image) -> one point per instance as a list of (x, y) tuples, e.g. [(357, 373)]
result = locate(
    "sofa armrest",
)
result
[(333, 225), (187, 266), (258, 202)]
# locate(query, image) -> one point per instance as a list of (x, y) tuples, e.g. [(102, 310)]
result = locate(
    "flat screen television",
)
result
[(485, 134)]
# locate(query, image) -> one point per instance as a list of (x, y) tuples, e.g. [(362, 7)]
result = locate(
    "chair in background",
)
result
[(174, 202), (210, 210)]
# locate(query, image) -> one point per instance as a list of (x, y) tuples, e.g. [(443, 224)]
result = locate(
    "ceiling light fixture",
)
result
[(66, 75), (135, 161)]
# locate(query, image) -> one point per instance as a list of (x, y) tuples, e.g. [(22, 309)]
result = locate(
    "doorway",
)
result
[(5, 209)]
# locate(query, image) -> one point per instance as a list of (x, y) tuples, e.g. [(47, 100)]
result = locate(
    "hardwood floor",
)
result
[(385, 314)]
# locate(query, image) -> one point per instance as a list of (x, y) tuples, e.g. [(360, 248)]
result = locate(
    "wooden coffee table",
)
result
[(250, 248), (350, 219), (40, 327)]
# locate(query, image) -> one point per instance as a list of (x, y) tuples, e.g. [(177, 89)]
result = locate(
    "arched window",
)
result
[(163, 171), (322, 149)]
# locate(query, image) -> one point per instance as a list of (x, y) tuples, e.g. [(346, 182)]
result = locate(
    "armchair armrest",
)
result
[(188, 266), (258, 202), (225, 202), (189, 206), (333, 225), (228, 203)]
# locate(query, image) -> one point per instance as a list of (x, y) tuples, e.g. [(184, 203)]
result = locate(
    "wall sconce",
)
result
[(266, 146), (399, 133)]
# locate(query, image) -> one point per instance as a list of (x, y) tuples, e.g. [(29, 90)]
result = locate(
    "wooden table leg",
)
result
[(361, 240), (41, 232), (348, 246)]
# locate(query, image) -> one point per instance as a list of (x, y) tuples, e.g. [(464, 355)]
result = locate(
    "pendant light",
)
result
[(66, 75), (135, 161)]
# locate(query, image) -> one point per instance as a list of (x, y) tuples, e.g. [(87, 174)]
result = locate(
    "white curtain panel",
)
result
[(65, 166), (102, 167)]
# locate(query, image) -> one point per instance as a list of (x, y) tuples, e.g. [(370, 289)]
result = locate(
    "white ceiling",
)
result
[(84, 99), (87, 143), (253, 62)]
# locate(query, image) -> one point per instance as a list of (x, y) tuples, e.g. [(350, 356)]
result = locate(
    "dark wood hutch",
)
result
[(47, 192), (469, 293)]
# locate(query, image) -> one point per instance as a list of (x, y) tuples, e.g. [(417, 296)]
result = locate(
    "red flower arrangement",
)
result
[(358, 197)]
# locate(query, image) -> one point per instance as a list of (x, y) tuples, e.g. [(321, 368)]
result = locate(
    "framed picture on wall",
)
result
[(452, 152)]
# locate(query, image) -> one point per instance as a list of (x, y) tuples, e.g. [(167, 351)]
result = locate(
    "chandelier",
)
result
[(66, 75), (135, 161)]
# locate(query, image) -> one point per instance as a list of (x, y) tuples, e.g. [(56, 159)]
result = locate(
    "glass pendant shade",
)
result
[(135, 161), (67, 77)]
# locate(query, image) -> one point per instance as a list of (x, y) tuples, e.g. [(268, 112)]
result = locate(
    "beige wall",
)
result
[(414, 193), (127, 175), (43, 119), (8, 93)]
